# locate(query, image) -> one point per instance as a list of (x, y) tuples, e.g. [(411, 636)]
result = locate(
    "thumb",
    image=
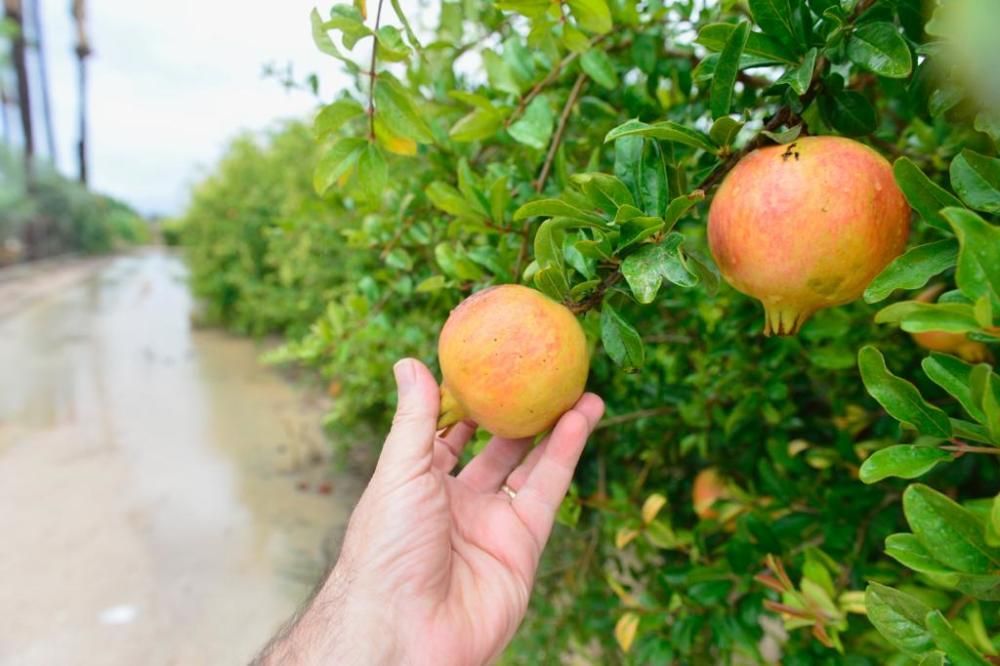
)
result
[(409, 448)]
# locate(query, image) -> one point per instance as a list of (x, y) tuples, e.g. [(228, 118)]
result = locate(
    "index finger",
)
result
[(538, 500)]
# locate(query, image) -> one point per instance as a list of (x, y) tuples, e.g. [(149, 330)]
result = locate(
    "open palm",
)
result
[(452, 559)]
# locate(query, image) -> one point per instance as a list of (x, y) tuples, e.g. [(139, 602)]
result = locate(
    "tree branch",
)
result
[(574, 95), (372, 75)]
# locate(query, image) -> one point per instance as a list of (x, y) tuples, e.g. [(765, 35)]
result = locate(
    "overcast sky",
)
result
[(172, 82)]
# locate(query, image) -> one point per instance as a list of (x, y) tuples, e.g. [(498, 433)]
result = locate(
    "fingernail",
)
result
[(405, 374)]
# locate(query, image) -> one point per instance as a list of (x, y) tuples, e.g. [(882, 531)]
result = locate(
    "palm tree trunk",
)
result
[(82, 53), (34, 9), (12, 11)]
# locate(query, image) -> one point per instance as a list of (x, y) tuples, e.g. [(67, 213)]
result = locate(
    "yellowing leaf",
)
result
[(621, 593), (652, 506), (624, 536), (626, 629)]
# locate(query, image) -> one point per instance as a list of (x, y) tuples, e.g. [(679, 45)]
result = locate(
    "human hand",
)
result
[(435, 568)]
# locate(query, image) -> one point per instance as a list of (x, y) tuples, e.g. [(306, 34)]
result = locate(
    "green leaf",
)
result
[(591, 15), (908, 551), (899, 617), (976, 178), (622, 343), (905, 461), (775, 18), (598, 66), (433, 283), (480, 124), (333, 116), (373, 172), (548, 243), (913, 269), (954, 376), (849, 112), (680, 205), (949, 531), (391, 47), (348, 21), (605, 191), (880, 48), (917, 317), (398, 110), (724, 130), (455, 262), (534, 128), (666, 131), (323, 42), (726, 70), (336, 162), (934, 658), (924, 195), (959, 652), (993, 528), (713, 37), (551, 281), (900, 398), (800, 77), (978, 271), (447, 198), (653, 189), (645, 269), (991, 406), (554, 208)]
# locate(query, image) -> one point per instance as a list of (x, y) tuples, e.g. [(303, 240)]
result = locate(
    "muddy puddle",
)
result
[(162, 500)]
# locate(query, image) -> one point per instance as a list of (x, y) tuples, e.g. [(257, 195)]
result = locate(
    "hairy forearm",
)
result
[(336, 627)]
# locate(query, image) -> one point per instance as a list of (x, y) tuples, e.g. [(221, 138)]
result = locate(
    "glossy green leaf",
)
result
[(336, 162), (591, 15), (646, 269), (899, 617), (681, 205), (954, 376), (775, 18), (534, 128), (322, 40), (373, 172), (934, 658), (913, 269), (899, 397), (991, 406), (333, 116), (478, 125), (348, 21), (908, 551), (993, 527), (622, 343), (714, 36), (391, 47), (552, 281), (978, 271), (905, 461), (949, 532), (880, 48), (605, 191), (917, 317), (924, 195), (553, 208), (959, 652), (653, 189), (665, 131), (799, 77), (726, 70), (724, 130), (447, 198), (398, 110), (976, 178), (598, 66), (849, 112)]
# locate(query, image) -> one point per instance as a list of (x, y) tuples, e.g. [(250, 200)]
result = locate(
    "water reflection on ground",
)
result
[(151, 508)]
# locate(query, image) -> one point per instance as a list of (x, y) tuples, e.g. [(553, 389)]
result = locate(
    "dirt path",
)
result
[(150, 502)]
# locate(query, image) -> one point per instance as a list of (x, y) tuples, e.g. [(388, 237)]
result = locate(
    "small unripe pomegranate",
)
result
[(947, 342), (709, 487), (512, 360), (807, 226)]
